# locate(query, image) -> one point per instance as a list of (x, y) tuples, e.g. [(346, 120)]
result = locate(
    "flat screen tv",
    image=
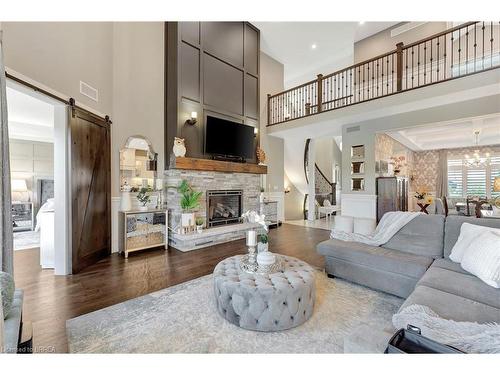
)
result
[(228, 138)]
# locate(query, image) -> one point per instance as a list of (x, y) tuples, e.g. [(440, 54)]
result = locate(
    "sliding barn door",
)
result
[(90, 188)]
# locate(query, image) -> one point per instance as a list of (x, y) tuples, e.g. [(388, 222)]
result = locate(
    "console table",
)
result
[(270, 209), (140, 230)]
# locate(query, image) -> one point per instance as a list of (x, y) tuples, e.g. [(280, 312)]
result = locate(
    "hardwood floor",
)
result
[(51, 300)]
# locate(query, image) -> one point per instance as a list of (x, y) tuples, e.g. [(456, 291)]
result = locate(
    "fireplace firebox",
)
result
[(223, 207)]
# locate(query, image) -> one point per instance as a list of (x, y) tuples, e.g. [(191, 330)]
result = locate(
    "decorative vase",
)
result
[(261, 247), (396, 172), (125, 201), (266, 258), (261, 198), (187, 221), (143, 208), (199, 228)]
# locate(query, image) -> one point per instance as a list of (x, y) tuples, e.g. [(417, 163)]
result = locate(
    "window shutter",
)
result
[(455, 183), (476, 181)]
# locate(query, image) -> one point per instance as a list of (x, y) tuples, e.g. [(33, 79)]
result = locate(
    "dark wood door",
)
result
[(90, 188)]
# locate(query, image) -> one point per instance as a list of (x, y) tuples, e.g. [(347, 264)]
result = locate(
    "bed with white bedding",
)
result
[(45, 224)]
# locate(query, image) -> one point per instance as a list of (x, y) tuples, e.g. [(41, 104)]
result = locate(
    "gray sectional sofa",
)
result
[(415, 265)]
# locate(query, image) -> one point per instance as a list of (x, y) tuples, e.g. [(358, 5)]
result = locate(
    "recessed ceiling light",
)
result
[(361, 22), (313, 46)]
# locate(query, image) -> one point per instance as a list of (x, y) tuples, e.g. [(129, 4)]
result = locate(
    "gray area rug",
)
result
[(184, 319)]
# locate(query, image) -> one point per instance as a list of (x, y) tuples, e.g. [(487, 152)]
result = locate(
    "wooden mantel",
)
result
[(218, 166)]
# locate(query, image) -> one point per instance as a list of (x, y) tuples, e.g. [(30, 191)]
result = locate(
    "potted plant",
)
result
[(189, 201), (263, 244), (144, 198), (199, 224), (399, 163)]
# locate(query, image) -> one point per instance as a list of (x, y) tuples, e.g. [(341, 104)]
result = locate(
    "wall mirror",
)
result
[(138, 164)]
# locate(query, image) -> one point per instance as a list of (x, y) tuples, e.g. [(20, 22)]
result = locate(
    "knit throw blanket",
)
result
[(390, 224), (470, 337)]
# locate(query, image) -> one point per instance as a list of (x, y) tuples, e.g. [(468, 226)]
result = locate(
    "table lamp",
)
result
[(18, 186)]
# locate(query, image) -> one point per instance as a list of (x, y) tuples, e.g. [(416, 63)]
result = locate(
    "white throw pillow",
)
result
[(482, 258), (344, 223), (364, 226), (468, 235)]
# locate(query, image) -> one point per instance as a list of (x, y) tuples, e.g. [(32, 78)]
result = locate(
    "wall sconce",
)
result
[(193, 119), (287, 189), (255, 131)]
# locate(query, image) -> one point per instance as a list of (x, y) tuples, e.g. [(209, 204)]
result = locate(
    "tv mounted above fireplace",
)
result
[(229, 139)]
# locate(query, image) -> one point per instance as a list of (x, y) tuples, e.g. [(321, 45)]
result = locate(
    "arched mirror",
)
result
[(138, 165)]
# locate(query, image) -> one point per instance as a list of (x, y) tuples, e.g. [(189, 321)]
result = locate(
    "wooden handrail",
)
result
[(437, 35), (402, 69)]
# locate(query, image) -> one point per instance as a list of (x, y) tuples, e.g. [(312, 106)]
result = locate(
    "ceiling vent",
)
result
[(89, 91), (352, 129)]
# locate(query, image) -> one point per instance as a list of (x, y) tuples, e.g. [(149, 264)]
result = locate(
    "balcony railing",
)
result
[(467, 49)]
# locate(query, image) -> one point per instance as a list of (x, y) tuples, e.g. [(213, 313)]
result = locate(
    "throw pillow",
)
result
[(482, 258), (7, 289), (468, 235)]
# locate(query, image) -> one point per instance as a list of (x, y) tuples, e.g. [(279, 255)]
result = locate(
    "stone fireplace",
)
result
[(223, 207), (225, 197)]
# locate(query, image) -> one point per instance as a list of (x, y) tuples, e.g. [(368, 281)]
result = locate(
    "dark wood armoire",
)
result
[(392, 195)]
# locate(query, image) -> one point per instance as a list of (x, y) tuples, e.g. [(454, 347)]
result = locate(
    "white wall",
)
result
[(124, 61), (138, 89), (60, 54), (271, 81)]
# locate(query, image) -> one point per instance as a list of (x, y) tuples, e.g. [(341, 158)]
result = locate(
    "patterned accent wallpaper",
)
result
[(386, 147), (426, 164)]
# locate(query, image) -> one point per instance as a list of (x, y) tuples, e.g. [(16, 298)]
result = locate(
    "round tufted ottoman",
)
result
[(267, 303)]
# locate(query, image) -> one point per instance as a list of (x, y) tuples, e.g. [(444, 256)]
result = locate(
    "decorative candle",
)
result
[(251, 238)]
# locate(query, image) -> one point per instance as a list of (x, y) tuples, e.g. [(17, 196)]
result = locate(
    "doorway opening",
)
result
[(39, 175)]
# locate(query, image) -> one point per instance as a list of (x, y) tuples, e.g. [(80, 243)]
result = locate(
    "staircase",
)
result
[(324, 188)]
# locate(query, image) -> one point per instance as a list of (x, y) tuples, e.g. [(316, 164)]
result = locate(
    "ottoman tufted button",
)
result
[(240, 295)]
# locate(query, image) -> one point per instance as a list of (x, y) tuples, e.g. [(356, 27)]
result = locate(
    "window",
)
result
[(463, 181), (495, 172), (455, 180)]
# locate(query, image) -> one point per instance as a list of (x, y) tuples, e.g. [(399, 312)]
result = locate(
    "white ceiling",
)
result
[(450, 134), (290, 43), (29, 118)]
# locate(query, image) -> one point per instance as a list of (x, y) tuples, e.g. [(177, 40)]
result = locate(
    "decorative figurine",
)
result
[(261, 156), (179, 148)]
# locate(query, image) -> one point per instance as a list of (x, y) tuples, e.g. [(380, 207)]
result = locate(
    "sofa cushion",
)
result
[(449, 265), (376, 257), (461, 284), (451, 306), (421, 236), (7, 290), (452, 229)]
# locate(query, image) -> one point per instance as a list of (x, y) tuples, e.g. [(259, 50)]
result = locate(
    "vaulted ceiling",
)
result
[(309, 48)]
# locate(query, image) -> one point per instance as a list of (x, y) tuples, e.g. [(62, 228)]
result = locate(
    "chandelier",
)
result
[(476, 159)]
